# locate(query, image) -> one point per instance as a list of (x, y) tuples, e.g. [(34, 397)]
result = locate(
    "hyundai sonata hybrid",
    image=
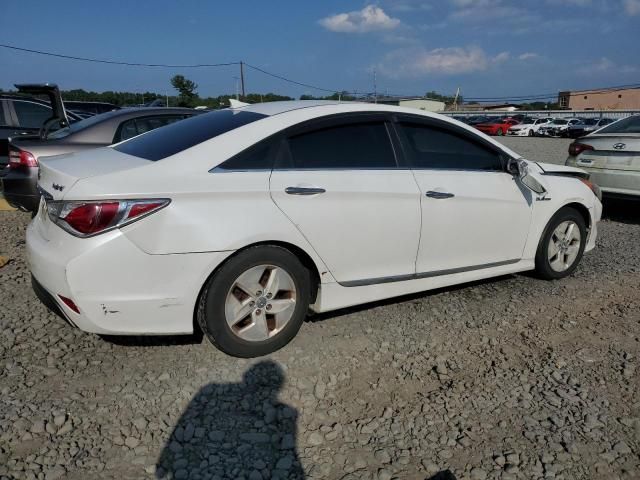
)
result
[(239, 221)]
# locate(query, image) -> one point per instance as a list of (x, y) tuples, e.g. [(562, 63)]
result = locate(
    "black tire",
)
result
[(499, 132), (543, 264), (211, 305), (531, 133)]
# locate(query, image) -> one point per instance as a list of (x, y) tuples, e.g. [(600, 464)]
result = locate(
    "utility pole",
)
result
[(167, 95), (242, 78), (455, 100), (375, 86)]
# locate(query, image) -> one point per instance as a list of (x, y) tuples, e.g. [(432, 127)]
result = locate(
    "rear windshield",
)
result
[(166, 141), (626, 125)]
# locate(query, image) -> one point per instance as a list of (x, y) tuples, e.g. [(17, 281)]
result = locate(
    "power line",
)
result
[(291, 81), (113, 62)]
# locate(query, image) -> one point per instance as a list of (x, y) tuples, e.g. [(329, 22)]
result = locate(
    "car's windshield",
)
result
[(559, 121), (166, 141), (590, 121), (626, 125), (527, 121)]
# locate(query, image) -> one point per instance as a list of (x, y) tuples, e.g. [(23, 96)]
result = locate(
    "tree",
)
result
[(187, 90)]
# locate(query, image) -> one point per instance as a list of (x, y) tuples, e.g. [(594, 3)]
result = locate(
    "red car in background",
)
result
[(499, 126)]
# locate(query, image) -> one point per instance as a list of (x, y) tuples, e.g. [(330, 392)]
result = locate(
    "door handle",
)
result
[(439, 195), (304, 190)]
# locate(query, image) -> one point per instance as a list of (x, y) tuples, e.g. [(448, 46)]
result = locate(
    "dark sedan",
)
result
[(21, 175)]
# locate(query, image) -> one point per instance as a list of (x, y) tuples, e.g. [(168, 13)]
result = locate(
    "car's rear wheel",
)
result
[(531, 133), (256, 302), (562, 245)]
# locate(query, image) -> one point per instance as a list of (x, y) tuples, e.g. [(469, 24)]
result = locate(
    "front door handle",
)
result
[(304, 190), (439, 195)]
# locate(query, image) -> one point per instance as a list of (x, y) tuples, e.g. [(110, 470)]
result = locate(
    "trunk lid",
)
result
[(57, 174), (51, 91), (611, 152)]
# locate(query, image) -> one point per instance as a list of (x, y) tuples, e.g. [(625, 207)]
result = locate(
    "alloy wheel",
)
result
[(564, 246), (260, 303)]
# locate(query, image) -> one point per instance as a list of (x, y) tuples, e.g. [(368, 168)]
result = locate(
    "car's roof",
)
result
[(275, 108)]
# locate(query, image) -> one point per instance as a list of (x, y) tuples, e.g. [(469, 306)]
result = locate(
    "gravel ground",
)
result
[(548, 150), (513, 378)]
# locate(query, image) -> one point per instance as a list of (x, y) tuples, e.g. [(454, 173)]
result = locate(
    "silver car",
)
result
[(612, 157)]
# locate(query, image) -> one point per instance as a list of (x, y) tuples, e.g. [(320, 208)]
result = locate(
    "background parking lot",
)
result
[(507, 378)]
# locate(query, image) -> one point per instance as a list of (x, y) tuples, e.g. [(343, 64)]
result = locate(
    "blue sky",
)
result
[(485, 47)]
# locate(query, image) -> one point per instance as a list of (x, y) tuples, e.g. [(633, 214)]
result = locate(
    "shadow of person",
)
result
[(235, 430)]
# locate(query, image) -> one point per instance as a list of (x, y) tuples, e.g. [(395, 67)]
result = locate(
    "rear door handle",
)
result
[(439, 195), (304, 190)]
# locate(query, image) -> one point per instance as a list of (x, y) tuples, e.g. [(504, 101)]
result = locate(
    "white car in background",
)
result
[(239, 221), (558, 127), (528, 127)]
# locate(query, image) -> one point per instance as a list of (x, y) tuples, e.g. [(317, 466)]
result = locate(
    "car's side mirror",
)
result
[(513, 167)]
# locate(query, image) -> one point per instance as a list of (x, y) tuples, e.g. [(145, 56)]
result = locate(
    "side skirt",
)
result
[(333, 296)]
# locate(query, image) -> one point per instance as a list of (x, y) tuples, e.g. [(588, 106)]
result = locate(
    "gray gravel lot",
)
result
[(513, 378), (548, 150)]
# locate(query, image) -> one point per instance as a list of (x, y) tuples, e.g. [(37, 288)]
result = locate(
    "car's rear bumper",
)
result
[(118, 288), (19, 188), (611, 181)]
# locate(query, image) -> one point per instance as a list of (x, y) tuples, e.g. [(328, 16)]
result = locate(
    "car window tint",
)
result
[(258, 157), (3, 120), (437, 148), (179, 136), (626, 125), (127, 130), (361, 145), (30, 114)]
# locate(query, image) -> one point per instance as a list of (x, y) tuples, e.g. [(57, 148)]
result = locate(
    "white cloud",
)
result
[(370, 18), (632, 7), (440, 61), (528, 56), (604, 65), (501, 57)]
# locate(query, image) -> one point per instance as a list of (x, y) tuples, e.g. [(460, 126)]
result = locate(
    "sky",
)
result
[(487, 48)]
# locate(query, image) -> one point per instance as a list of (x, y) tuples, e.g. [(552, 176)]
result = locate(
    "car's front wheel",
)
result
[(531, 133), (256, 302), (562, 245)]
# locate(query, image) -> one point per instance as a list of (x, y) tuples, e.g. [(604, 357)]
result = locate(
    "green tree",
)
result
[(186, 89)]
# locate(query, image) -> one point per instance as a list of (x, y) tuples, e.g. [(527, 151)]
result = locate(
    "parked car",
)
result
[(612, 157), (476, 119), (528, 127), (245, 218), (89, 108), (20, 180), (587, 126), (498, 126), (557, 127), (25, 114)]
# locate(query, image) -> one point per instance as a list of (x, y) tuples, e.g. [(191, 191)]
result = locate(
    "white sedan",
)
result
[(239, 221), (528, 127)]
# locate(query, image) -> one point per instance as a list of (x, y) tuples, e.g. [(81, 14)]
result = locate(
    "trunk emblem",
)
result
[(58, 187), (619, 146)]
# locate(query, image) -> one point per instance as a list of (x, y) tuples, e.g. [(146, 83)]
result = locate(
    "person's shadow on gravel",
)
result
[(235, 430)]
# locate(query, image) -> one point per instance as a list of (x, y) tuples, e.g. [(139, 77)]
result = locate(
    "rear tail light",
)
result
[(69, 303), (86, 219), (576, 148), (21, 158)]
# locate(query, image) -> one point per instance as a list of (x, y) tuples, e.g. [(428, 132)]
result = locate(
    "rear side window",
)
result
[(30, 114), (258, 157), (626, 125), (437, 148), (179, 136), (138, 126), (352, 146)]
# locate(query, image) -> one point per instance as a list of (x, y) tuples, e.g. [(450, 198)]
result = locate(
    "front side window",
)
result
[(430, 147), (31, 114), (352, 146)]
